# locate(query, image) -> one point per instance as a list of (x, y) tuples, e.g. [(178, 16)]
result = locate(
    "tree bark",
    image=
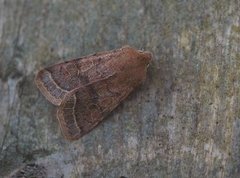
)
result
[(184, 121)]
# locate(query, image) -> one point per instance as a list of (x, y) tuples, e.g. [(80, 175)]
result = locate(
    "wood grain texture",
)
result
[(183, 122), (89, 88), (29, 170)]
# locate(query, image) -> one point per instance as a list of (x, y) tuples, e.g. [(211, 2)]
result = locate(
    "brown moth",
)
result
[(88, 88)]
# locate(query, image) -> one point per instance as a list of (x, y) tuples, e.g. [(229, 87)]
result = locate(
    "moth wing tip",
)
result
[(38, 82), (65, 129)]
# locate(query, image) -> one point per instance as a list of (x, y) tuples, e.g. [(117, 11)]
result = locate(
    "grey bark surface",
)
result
[(183, 122)]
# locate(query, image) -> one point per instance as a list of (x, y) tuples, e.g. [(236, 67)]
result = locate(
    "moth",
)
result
[(87, 89)]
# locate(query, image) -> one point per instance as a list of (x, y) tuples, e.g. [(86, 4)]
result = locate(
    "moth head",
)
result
[(138, 56), (145, 56), (133, 65)]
